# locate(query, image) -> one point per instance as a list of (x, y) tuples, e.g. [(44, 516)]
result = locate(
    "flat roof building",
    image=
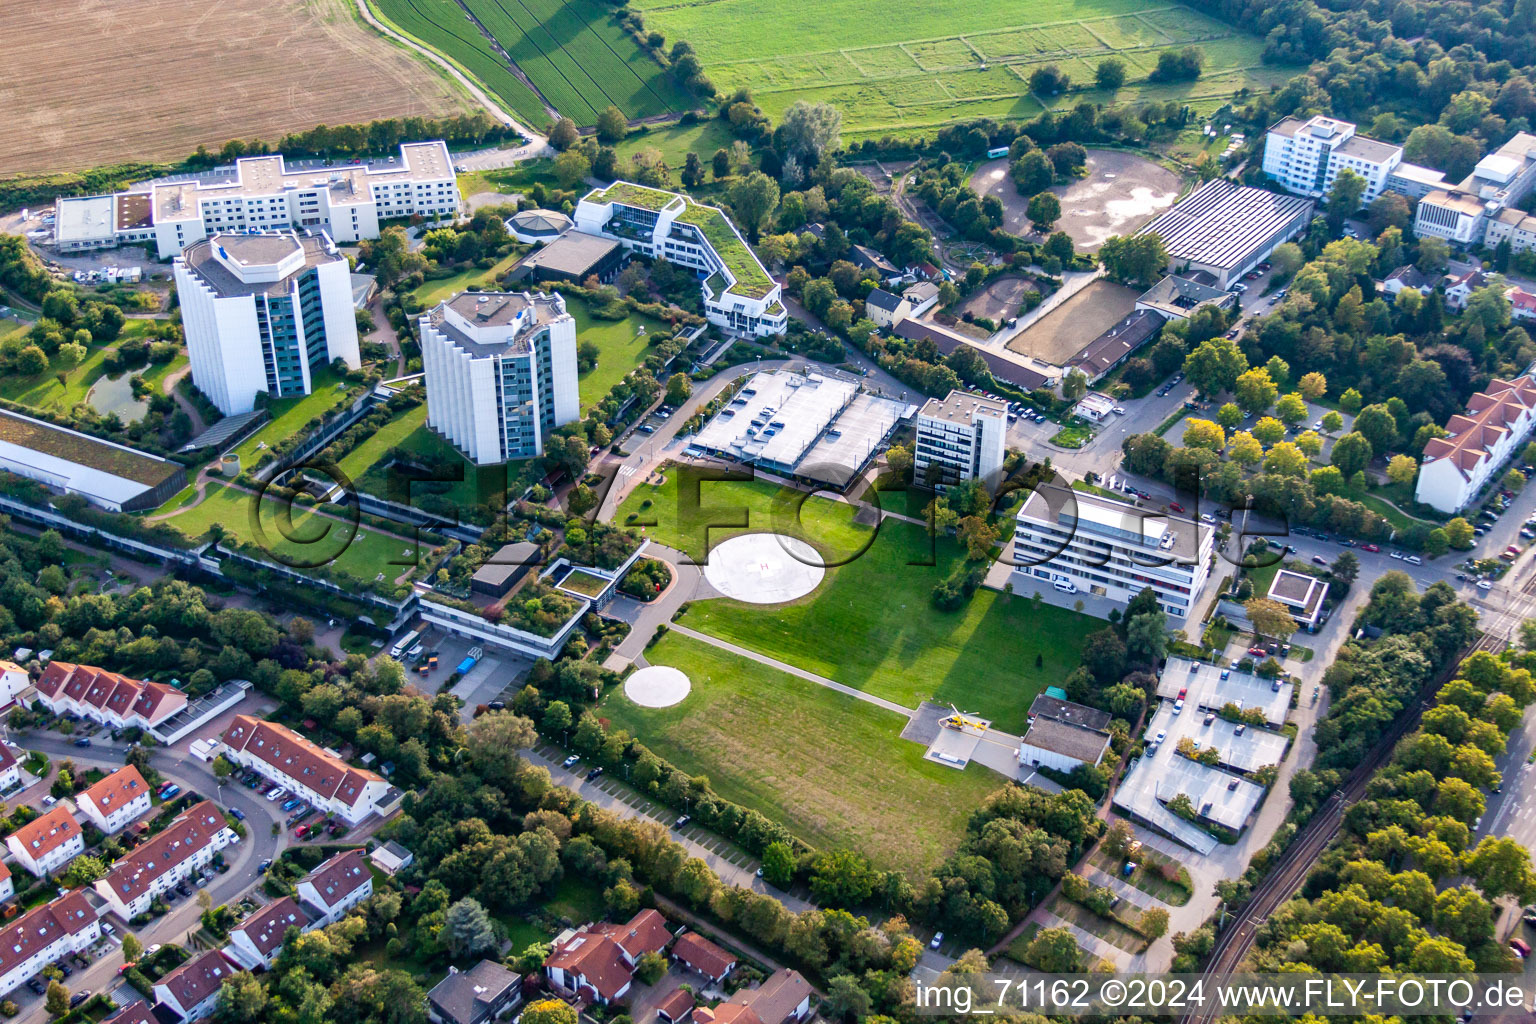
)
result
[(501, 372), (499, 574), (1227, 229), (1302, 594), (1110, 549), (1306, 157), (105, 473), (1062, 746), (961, 437), (264, 313), (262, 193), (573, 256)]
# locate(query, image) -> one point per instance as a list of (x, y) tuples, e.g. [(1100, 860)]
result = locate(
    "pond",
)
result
[(115, 395)]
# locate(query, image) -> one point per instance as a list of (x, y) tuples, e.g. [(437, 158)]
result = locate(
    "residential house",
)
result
[(783, 999), (168, 858), (45, 934), (1459, 287), (676, 1007), (1498, 421), (484, 992), (703, 956), (392, 858), (256, 941), (885, 308), (1522, 304), (106, 697), (865, 258), (7, 883), (597, 961), (116, 801), (191, 990), (136, 1012), (1408, 277), (10, 769), (321, 778), (13, 682), (47, 843), (336, 886)]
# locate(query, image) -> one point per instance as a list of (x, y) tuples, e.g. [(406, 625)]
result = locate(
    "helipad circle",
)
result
[(764, 568), (657, 686)]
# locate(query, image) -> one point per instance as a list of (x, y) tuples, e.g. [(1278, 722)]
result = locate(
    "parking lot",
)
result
[(1207, 687)]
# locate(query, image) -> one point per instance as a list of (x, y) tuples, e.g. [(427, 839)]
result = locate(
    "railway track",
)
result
[(1286, 877)]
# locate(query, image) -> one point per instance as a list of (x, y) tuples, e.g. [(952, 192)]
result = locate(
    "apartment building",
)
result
[(173, 855), (1483, 202), (263, 314), (47, 843), (501, 372), (191, 990), (739, 295), (335, 887), (112, 700), (7, 883), (43, 935), (262, 193), (116, 801), (1110, 549), (1511, 225), (1306, 156), (10, 769), (256, 941), (1496, 425), (313, 774), (962, 437)]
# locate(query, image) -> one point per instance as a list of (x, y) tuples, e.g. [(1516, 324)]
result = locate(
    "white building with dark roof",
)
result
[(1304, 595), (484, 992), (1306, 157), (321, 779), (263, 314), (1497, 423), (1227, 229), (501, 372), (1060, 745)]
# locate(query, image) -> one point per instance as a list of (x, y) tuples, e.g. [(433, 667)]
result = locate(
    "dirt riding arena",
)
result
[(999, 300), (96, 82), (1121, 192), (1064, 331)]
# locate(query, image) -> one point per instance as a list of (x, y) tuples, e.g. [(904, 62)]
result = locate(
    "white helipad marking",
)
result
[(657, 686), (764, 568)]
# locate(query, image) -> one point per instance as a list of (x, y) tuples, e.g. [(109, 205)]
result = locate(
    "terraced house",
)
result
[(38, 938), (106, 697), (739, 296), (116, 801), (1498, 421), (314, 775), (335, 887), (185, 845)]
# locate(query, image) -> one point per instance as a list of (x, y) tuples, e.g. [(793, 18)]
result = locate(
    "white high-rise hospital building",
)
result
[(501, 372)]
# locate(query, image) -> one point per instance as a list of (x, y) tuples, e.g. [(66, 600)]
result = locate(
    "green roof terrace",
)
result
[(752, 281), (630, 194)]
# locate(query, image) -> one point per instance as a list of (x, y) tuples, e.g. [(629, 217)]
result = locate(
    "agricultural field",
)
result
[(575, 54), (950, 60), (824, 764), (96, 84)]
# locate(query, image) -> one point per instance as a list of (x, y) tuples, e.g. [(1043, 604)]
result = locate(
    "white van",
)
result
[(1065, 585)]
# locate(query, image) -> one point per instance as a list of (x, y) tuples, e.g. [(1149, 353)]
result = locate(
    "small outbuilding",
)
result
[(499, 574), (538, 225)]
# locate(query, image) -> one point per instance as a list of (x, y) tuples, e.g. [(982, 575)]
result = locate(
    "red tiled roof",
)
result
[(597, 958), (42, 927), (676, 1005), (198, 978), (340, 877), (119, 789), (136, 1012), (192, 831), (267, 926), (105, 690), (646, 932), (702, 955), (43, 835), (1490, 414), (775, 999), (7, 757), (726, 1013), (298, 759)]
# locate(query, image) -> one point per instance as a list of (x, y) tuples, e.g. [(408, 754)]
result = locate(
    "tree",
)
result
[(1244, 449), (753, 199), (1268, 430), (1254, 390), (1352, 453), (978, 535), (1074, 386), (693, 171), (1134, 258), (571, 167), (1378, 426), (779, 865), (1204, 434), (1053, 950), (1181, 66), (1401, 469), (679, 387), (1333, 422), (1291, 408), (564, 134), (650, 967), (811, 129), (1215, 365), (132, 948), (1229, 415), (1344, 198), (612, 125), (1270, 618), (842, 878), (1312, 386), (242, 999), (1048, 80), (1154, 923), (1109, 74), (720, 164), (549, 1011), (1458, 533), (846, 999), (31, 361), (57, 1001), (467, 929), (1286, 459), (1044, 211), (1502, 868)]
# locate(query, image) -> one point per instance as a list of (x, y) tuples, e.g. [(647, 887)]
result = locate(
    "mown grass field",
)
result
[(574, 52), (949, 60), (832, 768), (871, 623)]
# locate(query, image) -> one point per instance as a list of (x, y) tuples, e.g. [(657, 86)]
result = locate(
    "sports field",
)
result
[(94, 83), (831, 768), (575, 54), (949, 60)]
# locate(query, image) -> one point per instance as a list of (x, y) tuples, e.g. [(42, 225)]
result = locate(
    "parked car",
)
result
[(570, 761), (238, 813), (1319, 560), (289, 805), (682, 822), (169, 791), (1175, 506), (82, 742), (594, 773), (1178, 706), (938, 937), (1370, 547), (1162, 734)]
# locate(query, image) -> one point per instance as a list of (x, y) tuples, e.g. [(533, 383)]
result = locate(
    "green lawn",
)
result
[(391, 435), (676, 141), (44, 391), (577, 899), (951, 60), (622, 347), (828, 766), (433, 292), (291, 415), (871, 624)]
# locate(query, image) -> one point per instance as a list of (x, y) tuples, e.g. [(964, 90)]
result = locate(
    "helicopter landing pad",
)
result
[(954, 747)]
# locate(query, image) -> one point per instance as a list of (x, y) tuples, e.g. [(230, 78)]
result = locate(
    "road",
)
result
[(192, 776)]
